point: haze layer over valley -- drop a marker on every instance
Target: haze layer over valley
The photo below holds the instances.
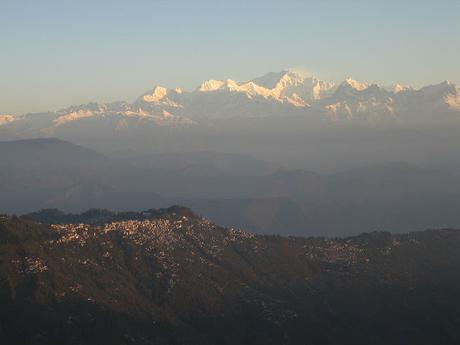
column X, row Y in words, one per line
column 232, row 189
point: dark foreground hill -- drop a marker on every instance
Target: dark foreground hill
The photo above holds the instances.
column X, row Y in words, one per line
column 171, row 277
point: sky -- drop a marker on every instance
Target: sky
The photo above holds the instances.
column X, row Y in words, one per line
column 59, row 53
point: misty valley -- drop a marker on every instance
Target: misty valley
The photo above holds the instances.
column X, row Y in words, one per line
column 233, row 189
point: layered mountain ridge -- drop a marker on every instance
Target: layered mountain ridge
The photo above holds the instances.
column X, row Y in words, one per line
column 231, row 189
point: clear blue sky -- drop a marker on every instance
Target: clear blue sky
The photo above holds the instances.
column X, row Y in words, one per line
column 58, row 53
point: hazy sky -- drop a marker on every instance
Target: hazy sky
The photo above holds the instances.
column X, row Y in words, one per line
column 58, row 53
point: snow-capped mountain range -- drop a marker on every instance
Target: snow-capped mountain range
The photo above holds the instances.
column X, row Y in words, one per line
column 280, row 94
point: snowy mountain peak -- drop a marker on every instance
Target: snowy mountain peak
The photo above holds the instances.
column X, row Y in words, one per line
column 451, row 95
column 441, row 89
column 396, row 88
column 355, row 84
column 277, row 80
column 291, row 78
column 160, row 96
column 4, row 119
column 210, row 85
column 215, row 85
column 294, row 87
column 156, row 95
column 269, row 80
column 93, row 107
